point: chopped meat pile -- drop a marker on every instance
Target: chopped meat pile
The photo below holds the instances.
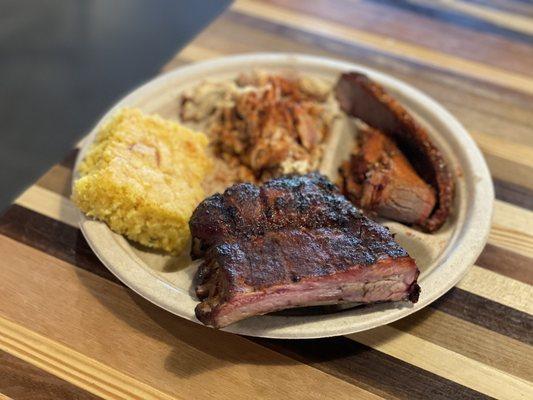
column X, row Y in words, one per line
column 362, row 98
column 378, row 178
column 263, row 125
column 293, row 242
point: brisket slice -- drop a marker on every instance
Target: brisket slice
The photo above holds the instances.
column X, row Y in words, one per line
column 379, row 179
column 365, row 99
column 293, row 242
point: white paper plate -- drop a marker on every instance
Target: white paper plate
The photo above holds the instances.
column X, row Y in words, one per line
column 443, row 258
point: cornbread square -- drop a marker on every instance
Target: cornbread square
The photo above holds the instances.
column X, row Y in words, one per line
column 142, row 176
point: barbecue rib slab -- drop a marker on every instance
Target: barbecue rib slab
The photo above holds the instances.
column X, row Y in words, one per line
column 379, row 178
column 365, row 99
column 293, row 242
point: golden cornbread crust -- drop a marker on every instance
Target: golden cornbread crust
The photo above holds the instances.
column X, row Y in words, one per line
column 142, row 176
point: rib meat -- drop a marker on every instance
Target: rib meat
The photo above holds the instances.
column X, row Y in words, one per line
column 379, row 178
column 362, row 98
column 293, row 242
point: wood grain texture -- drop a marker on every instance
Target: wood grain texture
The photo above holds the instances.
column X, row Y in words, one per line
column 59, row 239
column 93, row 317
column 512, row 228
column 52, row 237
column 514, row 194
column 514, row 23
column 519, row 7
column 478, row 111
column 506, row 263
column 390, row 19
column 235, row 348
column 362, row 366
column 71, row 366
column 461, row 336
column 497, row 317
column 459, row 368
column 73, row 326
column 306, row 22
column 482, row 106
column 22, row 380
column 511, row 232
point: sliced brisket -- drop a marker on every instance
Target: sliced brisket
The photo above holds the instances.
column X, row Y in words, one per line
column 365, row 99
column 378, row 178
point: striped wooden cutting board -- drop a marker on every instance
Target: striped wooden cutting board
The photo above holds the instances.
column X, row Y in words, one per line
column 69, row 329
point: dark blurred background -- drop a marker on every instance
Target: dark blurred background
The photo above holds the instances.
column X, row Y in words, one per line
column 64, row 62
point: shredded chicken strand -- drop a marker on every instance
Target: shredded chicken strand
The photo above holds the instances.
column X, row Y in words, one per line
column 263, row 125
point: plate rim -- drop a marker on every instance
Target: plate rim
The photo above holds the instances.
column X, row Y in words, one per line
column 479, row 213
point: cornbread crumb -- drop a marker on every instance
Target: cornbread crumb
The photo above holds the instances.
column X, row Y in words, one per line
column 142, row 176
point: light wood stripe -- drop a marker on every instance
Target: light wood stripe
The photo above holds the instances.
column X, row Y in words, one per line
column 71, row 366
column 22, row 380
column 456, row 367
column 4, row 397
column 113, row 326
column 362, row 365
column 444, row 31
column 433, row 371
column 499, row 288
column 477, row 335
column 377, row 363
column 49, row 203
column 508, row 161
column 473, row 341
column 59, row 240
column 500, row 18
column 511, row 293
column 512, row 228
column 420, row 54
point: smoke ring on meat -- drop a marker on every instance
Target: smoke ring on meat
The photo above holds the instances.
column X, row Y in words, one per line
column 293, row 242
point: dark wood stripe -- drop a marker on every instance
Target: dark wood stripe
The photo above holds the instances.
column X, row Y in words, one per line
column 457, row 18
column 52, row 237
column 67, row 243
column 487, row 313
column 520, row 7
column 513, row 193
column 370, row 369
column 494, row 258
column 507, row 263
column 21, row 380
column 348, row 360
column 409, row 27
column 372, row 57
column 370, row 363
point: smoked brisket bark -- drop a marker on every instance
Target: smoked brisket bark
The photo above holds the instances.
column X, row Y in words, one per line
column 293, row 242
column 378, row 178
column 365, row 99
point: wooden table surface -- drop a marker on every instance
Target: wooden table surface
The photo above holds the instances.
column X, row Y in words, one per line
column 69, row 329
